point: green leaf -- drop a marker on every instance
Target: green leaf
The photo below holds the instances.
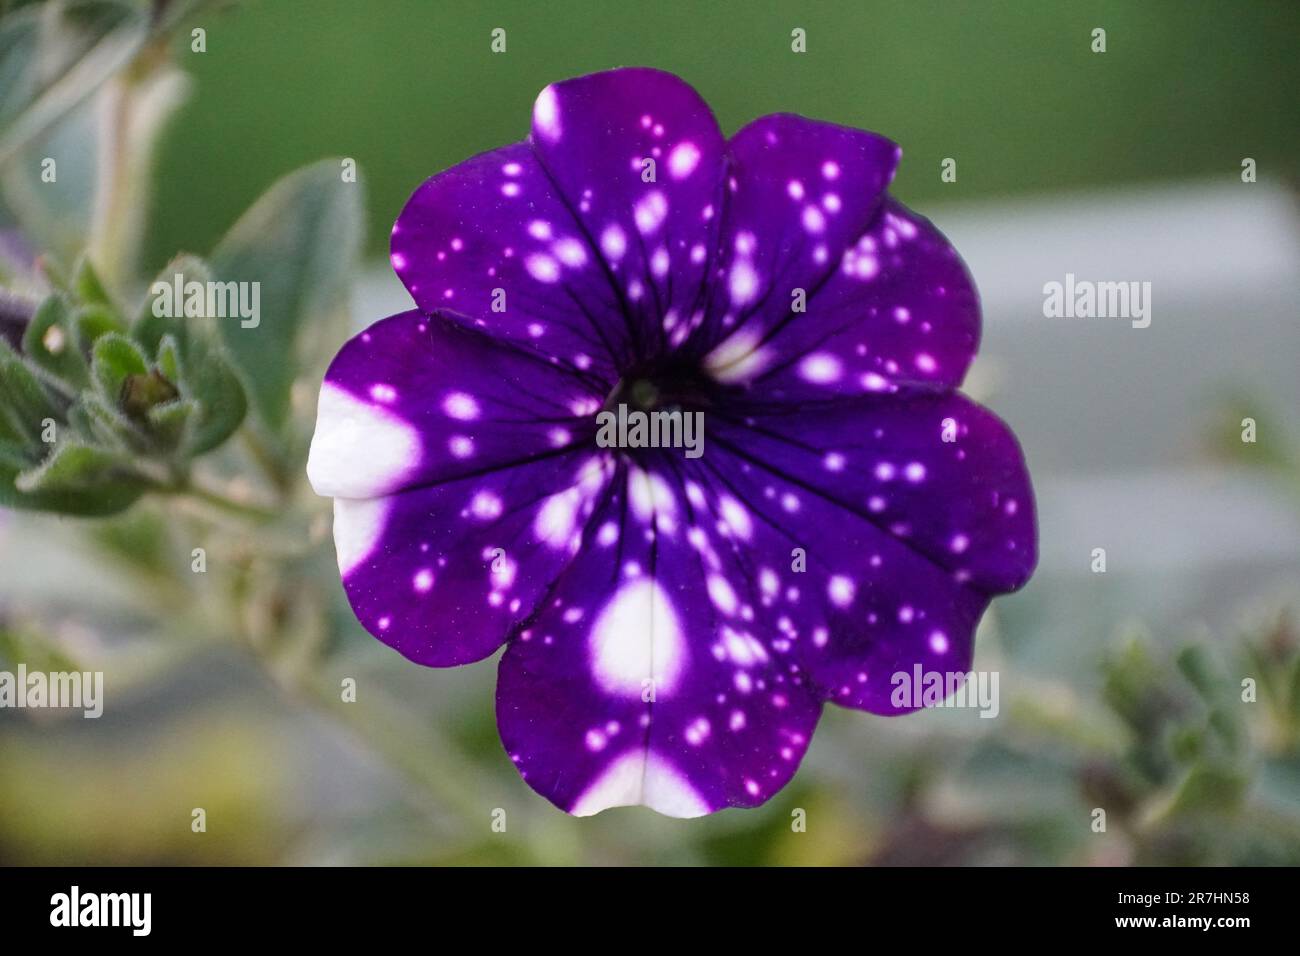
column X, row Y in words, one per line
column 50, row 342
column 1195, row 663
column 1209, row 788
column 76, row 479
column 71, row 466
column 222, row 404
column 169, row 358
column 115, row 359
column 300, row 242
column 16, row 455
column 168, row 421
column 160, row 314
column 101, row 423
column 92, row 323
column 189, row 353
column 9, row 434
column 54, row 56
column 87, row 285
column 24, row 400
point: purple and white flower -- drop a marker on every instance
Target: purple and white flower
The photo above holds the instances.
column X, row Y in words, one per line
column 672, row 625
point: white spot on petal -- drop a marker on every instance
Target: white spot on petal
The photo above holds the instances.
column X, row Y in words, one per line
column 486, row 506
column 546, row 114
column 721, row 594
column 571, row 252
column 737, row 359
column 736, row 516
column 641, row 778
column 841, row 590
column 613, row 242
column 557, row 518
column 636, row 638
column 743, row 283
column 683, row 160
column 821, row 368
column 358, row 526
column 542, row 267
column 650, row 212
column 359, row 450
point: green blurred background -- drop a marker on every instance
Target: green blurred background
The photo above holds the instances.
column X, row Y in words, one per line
column 1010, row 89
column 1119, row 690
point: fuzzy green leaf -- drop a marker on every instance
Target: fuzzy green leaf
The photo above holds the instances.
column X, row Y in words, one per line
column 101, row 423
column 88, row 287
column 222, row 404
column 161, row 314
column 76, row 479
column 50, row 342
column 300, row 242
column 93, row 322
column 168, row 421
column 115, row 359
column 54, row 56
column 25, row 401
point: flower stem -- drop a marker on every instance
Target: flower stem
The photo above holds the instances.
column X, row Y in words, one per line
column 187, row 489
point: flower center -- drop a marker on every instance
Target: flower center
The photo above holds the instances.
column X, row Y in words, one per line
column 660, row 407
column 666, row 388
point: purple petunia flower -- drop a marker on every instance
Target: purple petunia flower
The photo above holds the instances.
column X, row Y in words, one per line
column 673, row 624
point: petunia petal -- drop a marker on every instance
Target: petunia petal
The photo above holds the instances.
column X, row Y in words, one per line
column 900, row 310
column 849, row 565
column 936, row 472
column 459, row 481
column 654, row 225
column 800, row 193
column 443, row 572
column 634, row 684
column 827, row 286
column 418, row 399
column 490, row 242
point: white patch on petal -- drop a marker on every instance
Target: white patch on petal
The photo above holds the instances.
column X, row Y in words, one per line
column 486, row 506
column 736, row 516
column 460, row 406
column 650, row 212
column 546, row 114
column 841, row 590
column 636, row 638
column 558, row 518
column 542, row 268
column 638, row 778
column 721, row 594
column 571, row 252
column 358, row 525
column 359, row 450
column 821, row 368
column 743, row 283
column 648, row 493
column 743, row 649
column 737, row 359
column 613, row 243
column 683, row 160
